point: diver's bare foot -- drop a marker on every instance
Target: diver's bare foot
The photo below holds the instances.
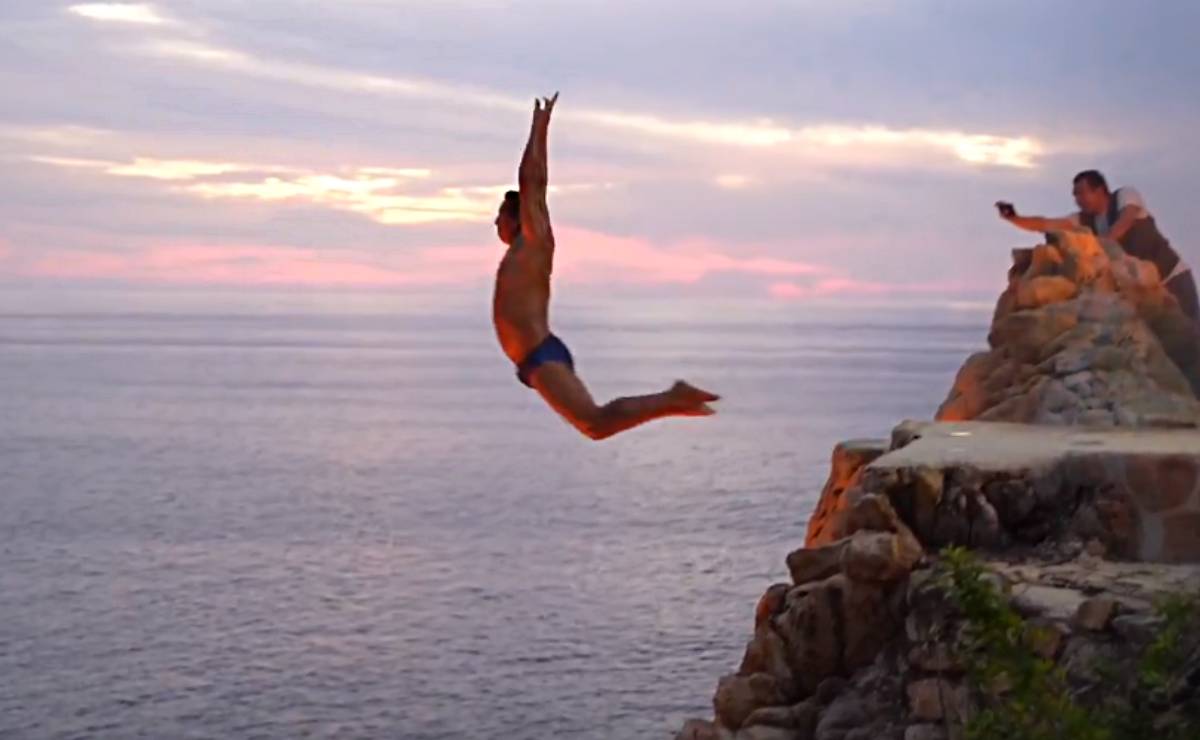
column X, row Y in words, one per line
column 700, row 409
column 692, row 401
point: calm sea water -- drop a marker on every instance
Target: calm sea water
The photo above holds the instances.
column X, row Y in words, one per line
column 355, row 523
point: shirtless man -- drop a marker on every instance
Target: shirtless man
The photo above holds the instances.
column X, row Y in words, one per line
column 521, row 306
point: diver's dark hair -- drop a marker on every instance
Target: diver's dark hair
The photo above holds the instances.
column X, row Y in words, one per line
column 512, row 205
column 1093, row 178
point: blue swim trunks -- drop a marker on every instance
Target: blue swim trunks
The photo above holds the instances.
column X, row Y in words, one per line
column 551, row 349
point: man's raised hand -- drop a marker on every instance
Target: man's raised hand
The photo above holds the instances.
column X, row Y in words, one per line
column 542, row 107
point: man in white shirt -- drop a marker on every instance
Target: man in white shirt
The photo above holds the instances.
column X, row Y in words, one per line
column 1121, row 216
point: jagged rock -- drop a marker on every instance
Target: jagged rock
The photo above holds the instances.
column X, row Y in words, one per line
column 1073, row 308
column 1136, row 585
column 804, row 718
column 770, row 604
column 934, row 657
column 874, row 513
column 1059, row 604
column 767, row 653
column 927, row 485
column 810, row 564
column 767, row 732
column 1013, row 499
column 738, row 696
column 846, row 714
column 871, row 624
column 870, row 512
column 984, row 530
column 849, row 458
column 1073, row 437
column 697, row 729
column 928, row 609
column 1094, row 614
column 1085, row 660
column 770, row 716
column 933, row 699
column 813, row 627
column 1136, row 628
column 800, row 718
column 873, row 731
column 986, row 484
column 1045, row 637
column 876, row 692
column 879, row 556
column 830, row 689
column 925, row 732
column 832, row 627
column 1045, row 289
column 904, row 433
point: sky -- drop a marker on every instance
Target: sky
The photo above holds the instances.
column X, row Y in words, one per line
column 787, row 151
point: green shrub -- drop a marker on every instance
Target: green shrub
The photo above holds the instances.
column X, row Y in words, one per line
column 1027, row 697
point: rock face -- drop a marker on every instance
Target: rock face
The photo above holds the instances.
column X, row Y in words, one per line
column 1133, row 494
column 1068, row 453
column 1083, row 336
column 849, row 458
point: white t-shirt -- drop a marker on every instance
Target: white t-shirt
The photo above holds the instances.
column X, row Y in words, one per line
column 1125, row 197
column 1129, row 197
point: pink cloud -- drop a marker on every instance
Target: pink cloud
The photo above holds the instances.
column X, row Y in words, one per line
column 588, row 256
column 833, row 287
column 242, row 265
column 582, row 257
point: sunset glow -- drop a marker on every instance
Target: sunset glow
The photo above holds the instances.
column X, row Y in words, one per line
column 119, row 13
column 201, row 142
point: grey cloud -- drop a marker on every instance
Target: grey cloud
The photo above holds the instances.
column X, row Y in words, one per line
column 1114, row 72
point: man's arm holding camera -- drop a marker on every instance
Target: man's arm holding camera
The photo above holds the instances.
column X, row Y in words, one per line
column 1039, row 224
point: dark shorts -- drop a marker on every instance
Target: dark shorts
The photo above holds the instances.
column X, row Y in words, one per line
column 551, row 349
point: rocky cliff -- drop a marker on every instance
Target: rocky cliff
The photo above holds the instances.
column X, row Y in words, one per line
column 1083, row 335
column 1067, row 456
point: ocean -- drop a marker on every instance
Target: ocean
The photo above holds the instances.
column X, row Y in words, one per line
column 346, row 519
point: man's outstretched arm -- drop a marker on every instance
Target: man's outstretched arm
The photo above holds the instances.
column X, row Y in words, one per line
column 1039, row 223
column 534, row 178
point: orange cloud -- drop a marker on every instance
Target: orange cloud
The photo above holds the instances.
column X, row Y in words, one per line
column 382, row 194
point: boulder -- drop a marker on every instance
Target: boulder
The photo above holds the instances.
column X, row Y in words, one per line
column 932, row 699
column 879, row 556
column 846, row 714
column 810, row 564
column 697, row 729
column 1084, row 334
column 739, row 696
column 767, row 732
column 834, row 626
column 849, row 458
column 1095, row 614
